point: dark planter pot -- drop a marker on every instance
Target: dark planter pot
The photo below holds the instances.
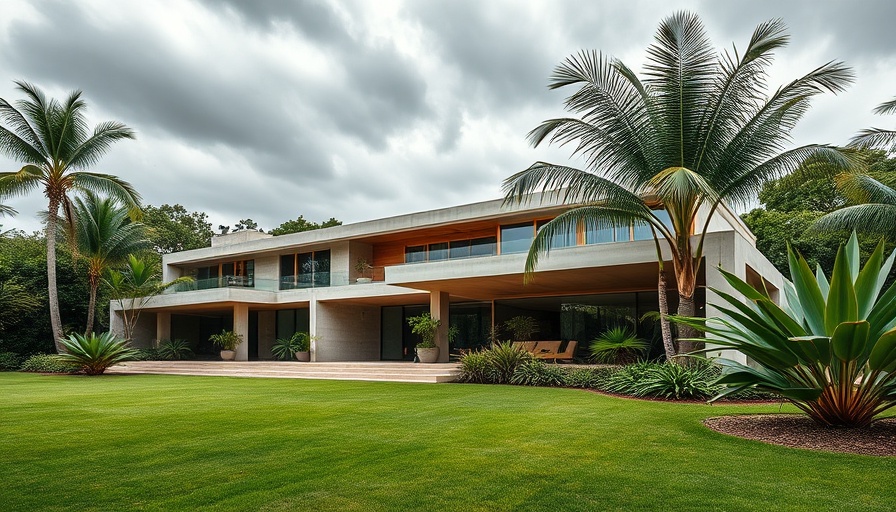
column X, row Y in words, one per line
column 303, row 357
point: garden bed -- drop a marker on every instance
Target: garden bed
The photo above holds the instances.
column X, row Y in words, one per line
column 799, row 431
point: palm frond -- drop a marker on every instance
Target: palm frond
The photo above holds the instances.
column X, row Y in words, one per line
column 874, row 138
column 861, row 188
column 109, row 185
column 875, row 219
column 887, row 107
column 20, row 183
column 571, row 185
column 88, row 153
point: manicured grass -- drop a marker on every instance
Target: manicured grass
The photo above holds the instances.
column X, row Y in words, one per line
column 183, row 443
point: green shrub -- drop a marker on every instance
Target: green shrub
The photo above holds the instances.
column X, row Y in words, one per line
column 831, row 351
column 147, row 354
column 537, row 373
column 426, row 327
column 522, row 328
column 175, row 350
column 285, row 349
column 227, row 340
column 94, row 353
column 47, row 363
column 504, row 358
column 475, row 367
column 618, row 346
column 666, row 380
column 583, row 377
column 10, row 361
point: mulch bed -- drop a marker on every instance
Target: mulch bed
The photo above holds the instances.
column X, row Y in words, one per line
column 799, row 431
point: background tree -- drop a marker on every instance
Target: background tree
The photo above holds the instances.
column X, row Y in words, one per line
column 171, row 228
column 300, row 224
column 246, row 224
column 874, row 202
column 54, row 143
column 790, row 207
column 696, row 131
column 23, row 261
column 16, row 303
column 104, row 237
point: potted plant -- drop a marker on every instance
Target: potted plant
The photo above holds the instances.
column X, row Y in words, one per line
column 302, row 346
column 522, row 328
column 363, row 268
column 228, row 341
column 426, row 327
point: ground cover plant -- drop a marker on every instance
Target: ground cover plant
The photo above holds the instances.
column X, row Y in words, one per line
column 176, row 443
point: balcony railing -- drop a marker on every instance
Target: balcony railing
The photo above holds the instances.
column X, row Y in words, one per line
column 285, row 283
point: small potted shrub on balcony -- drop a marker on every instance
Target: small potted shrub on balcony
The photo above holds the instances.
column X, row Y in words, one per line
column 364, row 271
column 426, row 327
column 228, row 341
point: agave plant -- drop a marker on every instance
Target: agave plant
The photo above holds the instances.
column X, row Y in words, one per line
column 96, row 352
column 175, row 350
column 831, row 350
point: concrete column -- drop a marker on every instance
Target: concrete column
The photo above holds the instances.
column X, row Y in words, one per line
column 312, row 327
column 438, row 308
column 116, row 323
column 163, row 326
column 241, row 327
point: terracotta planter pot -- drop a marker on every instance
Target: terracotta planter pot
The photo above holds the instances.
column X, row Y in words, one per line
column 228, row 355
column 428, row 355
column 303, row 357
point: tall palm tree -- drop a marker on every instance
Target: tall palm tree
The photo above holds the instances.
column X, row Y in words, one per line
column 697, row 131
column 104, row 236
column 52, row 139
column 876, row 211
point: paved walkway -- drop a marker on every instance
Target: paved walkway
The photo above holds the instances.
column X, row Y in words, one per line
column 372, row 371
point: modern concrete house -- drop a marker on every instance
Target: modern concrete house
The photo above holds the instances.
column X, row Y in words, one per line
column 463, row 264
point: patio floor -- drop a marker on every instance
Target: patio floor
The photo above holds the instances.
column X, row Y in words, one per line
column 367, row 370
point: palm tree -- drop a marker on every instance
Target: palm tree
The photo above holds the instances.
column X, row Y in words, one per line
column 104, row 236
column 53, row 141
column 133, row 287
column 697, row 131
column 876, row 211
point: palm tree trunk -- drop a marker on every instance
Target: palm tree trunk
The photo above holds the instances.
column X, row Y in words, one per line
column 52, row 290
column 91, row 308
column 664, row 316
column 687, row 307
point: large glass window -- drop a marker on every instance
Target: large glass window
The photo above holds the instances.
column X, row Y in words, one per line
column 305, row 270
column 487, row 246
column 438, row 251
column 559, row 239
column 643, row 232
column 415, row 254
column 517, row 238
column 459, row 249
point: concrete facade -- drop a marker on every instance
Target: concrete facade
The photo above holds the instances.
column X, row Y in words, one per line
column 346, row 317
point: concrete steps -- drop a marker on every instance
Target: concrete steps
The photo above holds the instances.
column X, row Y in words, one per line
column 369, row 371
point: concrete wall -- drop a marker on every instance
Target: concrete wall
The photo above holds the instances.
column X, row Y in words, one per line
column 345, row 332
column 339, row 263
column 145, row 331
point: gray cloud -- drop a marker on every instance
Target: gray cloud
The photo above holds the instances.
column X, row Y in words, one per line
column 274, row 108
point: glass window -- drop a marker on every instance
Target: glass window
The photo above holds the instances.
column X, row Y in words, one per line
column 322, row 268
column 595, row 235
column 438, row 251
column 415, row 254
column 484, row 246
column 516, row 238
column 560, row 239
column 459, row 249
column 643, row 232
column 623, row 234
column 663, row 215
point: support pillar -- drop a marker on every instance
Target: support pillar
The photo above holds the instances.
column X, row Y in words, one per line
column 438, row 308
column 312, row 327
column 163, row 326
column 241, row 327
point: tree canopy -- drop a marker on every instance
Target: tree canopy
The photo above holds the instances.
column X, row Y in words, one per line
column 301, row 224
column 172, row 228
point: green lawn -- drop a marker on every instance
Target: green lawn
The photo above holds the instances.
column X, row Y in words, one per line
column 182, row 443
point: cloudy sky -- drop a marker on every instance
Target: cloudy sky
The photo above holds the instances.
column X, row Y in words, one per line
column 364, row 109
